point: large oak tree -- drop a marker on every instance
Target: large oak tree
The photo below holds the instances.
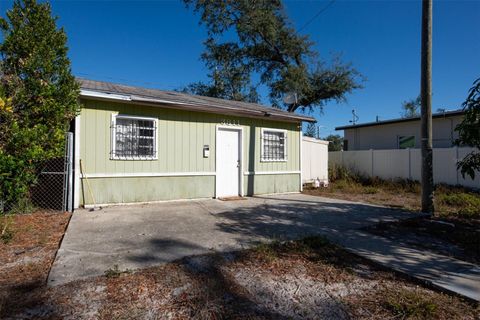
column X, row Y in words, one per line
column 263, row 45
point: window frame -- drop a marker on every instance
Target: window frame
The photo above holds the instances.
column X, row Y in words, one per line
column 113, row 140
column 262, row 155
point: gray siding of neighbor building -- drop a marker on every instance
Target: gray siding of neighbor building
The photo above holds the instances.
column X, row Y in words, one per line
column 386, row 136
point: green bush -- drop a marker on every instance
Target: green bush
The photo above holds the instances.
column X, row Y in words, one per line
column 15, row 180
column 336, row 173
column 38, row 97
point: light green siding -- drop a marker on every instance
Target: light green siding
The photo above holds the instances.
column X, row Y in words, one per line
column 144, row 189
column 271, row 183
column 181, row 137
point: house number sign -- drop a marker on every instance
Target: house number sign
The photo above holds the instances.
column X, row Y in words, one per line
column 230, row 122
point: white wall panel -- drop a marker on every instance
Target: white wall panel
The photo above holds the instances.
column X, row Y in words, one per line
column 406, row 164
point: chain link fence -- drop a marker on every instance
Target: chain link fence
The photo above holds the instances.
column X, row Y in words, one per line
column 53, row 189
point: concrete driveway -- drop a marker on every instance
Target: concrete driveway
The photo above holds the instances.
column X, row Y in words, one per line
column 145, row 235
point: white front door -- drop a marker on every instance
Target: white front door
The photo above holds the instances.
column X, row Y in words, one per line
column 228, row 162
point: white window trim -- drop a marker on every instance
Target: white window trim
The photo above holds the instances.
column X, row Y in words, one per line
column 262, row 158
column 113, row 135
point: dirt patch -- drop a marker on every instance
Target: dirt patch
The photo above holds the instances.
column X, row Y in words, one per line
column 307, row 279
column 27, row 254
column 405, row 198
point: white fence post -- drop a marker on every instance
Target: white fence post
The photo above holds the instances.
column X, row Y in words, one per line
column 409, row 164
column 371, row 159
column 456, row 161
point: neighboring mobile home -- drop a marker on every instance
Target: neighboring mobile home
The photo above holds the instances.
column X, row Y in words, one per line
column 140, row 145
column 401, row 133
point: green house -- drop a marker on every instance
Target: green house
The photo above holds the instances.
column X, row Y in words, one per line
column 142, row 145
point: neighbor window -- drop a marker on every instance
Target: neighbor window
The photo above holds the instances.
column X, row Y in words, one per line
column 134, row 138
column 405, row 142
column 274, row 145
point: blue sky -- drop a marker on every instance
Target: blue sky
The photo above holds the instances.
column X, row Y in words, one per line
column 158, row 44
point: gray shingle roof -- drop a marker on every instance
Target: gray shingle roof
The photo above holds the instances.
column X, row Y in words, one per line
column 178, row 100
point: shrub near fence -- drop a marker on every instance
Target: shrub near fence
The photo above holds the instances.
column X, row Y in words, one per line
column 406, row 164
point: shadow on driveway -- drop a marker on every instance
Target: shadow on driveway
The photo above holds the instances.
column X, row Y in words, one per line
column 145, row 235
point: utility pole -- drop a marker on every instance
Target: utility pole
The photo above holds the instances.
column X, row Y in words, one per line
column 426, row 101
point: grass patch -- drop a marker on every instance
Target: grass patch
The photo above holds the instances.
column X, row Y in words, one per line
column 267, row 251
column 450, row 202
column 307, row 246
column 6, row 229
column 408, row 304
column 115, row 272
column 466, row 205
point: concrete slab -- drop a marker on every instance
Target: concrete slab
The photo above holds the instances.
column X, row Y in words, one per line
column 140, row 236
column 438, row 270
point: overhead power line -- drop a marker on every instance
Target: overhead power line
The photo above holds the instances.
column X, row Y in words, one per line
column 317, row 15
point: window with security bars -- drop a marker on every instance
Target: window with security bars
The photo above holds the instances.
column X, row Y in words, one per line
column 274, row 145
column 134, row 138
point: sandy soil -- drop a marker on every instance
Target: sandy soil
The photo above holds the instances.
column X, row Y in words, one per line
column 308, row 279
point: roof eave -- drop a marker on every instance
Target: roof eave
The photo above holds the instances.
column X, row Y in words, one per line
column 394, row 121
column 268, row 114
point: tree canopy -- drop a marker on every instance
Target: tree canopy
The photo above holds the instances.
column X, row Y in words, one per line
column 469, row 131
column 38, row 95
column 266, row 46
column 311, row 130
column 336, row 142
column 411, row 108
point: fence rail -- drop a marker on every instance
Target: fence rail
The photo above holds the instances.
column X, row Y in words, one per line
column 406, row 164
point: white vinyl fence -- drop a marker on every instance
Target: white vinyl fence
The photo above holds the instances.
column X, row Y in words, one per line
column 406, row 164
column 314, row 160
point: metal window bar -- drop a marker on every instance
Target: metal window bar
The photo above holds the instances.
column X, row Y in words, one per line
column 134, row 138
column 274, row 146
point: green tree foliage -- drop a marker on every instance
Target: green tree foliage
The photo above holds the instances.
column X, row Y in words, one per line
column 411, row 108
column 230, row 78
column 38, row 95
column 311, row 130
column 267, row 47
column 469, row 131
column 336, row 142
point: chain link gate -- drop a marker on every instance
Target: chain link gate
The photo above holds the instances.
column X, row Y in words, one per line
column 54, row 187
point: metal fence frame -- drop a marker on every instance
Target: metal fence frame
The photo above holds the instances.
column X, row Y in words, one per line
column 47, row 192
